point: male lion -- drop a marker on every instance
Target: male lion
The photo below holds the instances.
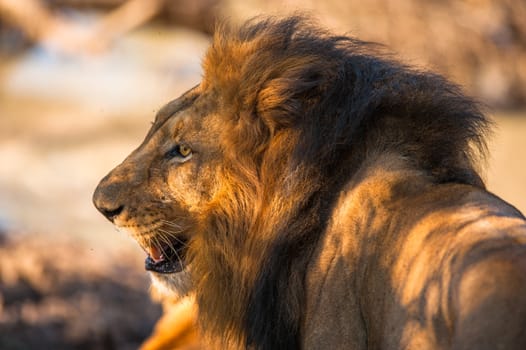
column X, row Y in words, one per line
column 315, row 194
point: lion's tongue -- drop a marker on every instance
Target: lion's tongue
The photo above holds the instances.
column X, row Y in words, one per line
column 155, row 253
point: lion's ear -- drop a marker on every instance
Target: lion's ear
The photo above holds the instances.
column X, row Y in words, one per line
column 286, row 98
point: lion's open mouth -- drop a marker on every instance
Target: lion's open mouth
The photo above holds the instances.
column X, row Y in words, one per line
column 166, row 258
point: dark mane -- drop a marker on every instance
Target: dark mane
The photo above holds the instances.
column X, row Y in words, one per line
column 291, row 73
column 305, row 109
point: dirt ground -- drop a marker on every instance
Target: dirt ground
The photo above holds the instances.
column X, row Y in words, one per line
column 68, row 280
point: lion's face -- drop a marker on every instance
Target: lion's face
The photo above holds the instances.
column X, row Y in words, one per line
column 162, row 188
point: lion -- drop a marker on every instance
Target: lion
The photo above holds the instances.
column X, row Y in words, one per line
column 313, row 192
column 176, row 329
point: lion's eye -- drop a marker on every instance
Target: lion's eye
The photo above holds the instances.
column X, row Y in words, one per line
column 181, row 151
column 184, row 150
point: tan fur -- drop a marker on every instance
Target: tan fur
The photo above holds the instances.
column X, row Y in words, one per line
column 177, row 328
column 332, row 201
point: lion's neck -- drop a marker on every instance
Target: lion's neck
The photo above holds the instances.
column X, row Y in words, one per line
column 360, row 214
column 365, row 205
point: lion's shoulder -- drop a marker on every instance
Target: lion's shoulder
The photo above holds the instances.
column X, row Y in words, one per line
column 400, row 247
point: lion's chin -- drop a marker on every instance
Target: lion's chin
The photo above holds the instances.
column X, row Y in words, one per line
column 172, row 285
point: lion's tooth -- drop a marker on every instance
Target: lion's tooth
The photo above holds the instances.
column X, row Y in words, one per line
column 155, row 253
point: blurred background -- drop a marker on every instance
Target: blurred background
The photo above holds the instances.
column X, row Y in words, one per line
column 80, row 82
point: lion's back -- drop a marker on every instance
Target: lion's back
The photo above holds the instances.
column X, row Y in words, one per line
column 447, row 265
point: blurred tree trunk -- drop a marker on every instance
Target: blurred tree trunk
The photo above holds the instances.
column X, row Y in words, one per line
column 41, row 23
column 196, row 14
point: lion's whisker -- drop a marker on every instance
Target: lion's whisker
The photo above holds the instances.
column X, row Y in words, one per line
column 171, row 223
column 170, row 235
column 173, row 229
column 165, row 239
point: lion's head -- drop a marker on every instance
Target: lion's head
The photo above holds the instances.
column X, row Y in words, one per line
column 236, row 180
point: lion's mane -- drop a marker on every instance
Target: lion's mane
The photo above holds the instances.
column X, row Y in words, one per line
column 303, row 110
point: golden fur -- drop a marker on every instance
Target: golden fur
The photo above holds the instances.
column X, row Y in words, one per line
column 176, row 329
column 331, row 201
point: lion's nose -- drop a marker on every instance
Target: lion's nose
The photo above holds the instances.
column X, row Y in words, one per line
column 106, row 200
column 111, row 214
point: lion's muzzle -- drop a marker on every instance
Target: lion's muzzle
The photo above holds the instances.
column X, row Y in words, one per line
column 162, row 239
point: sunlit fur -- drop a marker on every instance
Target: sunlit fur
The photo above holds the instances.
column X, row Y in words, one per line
column 333, row 199
column 176, row 329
